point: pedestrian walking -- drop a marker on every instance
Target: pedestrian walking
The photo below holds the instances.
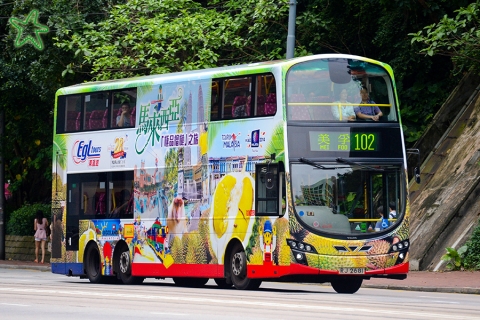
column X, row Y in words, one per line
column 40, row 226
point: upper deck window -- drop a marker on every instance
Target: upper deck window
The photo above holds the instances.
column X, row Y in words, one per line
column 243, row 97
column 339, row 90
column 96, row 111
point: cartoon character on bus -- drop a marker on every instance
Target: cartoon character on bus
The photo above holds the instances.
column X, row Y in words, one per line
column 158, row 103
column 268, row 241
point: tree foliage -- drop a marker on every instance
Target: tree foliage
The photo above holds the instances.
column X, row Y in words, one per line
column 458, row 37
column 149, row 36
column 28, row 81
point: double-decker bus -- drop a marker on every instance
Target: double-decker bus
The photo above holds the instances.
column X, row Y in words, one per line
column 240, row 174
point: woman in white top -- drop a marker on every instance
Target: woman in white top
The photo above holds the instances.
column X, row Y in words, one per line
column 342, row 109
column 40, row 226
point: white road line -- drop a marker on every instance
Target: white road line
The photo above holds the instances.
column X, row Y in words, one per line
column 285, row 305
column 170, row 314
column 15, row 304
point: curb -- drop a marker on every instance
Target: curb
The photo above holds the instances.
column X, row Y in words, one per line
column 38, row 268
column 465, row 290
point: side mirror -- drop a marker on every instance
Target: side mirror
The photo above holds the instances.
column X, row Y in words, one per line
column 416, row 173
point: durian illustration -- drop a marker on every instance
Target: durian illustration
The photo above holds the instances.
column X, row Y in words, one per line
column 204, row 232
column 194, row 249
column 282, row 251
column 176, row 250
column 378, row 257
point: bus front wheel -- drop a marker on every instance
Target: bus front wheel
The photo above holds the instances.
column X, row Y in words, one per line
column 347, row 284
column 124, row 268
column 238, row 265
column 93, row 267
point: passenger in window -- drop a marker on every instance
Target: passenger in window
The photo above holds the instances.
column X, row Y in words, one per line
column 341, row 110
column 125, row 119
column 367, row 112
column 381, row 224
column 392, row 207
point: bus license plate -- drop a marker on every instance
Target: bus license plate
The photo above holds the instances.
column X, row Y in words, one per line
column 351, row 270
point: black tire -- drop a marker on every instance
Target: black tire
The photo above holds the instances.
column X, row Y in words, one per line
column 238, row 270
column 347, row 284
column 93, row 265
column 124, row 268
column 222, row 283
column 190, row 282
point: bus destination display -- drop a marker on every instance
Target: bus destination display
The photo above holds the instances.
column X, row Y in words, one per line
column 343, row 141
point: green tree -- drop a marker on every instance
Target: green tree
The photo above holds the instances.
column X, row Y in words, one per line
column 29, row 79
column 149, row 36
column 458, row 38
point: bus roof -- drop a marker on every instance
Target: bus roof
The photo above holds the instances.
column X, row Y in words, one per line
column 219, row 72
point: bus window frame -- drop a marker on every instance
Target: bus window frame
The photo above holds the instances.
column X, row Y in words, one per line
column 253, row 90
column 61, row 125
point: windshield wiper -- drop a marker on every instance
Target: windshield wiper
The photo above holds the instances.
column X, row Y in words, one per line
column 341, row 160
column 313, row 164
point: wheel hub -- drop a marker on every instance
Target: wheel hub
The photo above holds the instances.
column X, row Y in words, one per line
column 124, row 261
column 237, row 264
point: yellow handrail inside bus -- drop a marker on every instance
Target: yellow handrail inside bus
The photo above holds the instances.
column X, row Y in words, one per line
column 113, row 200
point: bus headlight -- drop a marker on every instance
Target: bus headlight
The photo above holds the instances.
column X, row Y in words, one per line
column 400, row 246
column 300, row 246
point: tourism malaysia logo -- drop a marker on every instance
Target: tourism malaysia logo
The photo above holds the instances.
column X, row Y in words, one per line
column 230, row 141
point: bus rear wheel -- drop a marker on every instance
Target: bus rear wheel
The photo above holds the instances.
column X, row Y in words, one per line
column 347, row 284
column 93, row 267
column 238, row 271
column 124, row 268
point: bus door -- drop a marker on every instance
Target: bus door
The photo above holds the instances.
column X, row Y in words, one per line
column 270, row 190
column 73, row 212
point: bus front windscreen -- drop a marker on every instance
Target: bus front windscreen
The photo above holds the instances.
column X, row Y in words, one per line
column 348, row 198
column 340, row 89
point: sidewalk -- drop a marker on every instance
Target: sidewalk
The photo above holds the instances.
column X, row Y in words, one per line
column 15, row 264
column 446, row 282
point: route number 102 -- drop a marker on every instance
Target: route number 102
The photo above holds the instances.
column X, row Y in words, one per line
column 364, row 141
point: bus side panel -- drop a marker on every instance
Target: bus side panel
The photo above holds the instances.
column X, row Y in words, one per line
column 70, row 269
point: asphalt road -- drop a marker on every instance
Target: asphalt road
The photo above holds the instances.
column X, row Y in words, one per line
column 28, row 294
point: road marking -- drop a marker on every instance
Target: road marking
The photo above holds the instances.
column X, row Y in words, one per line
column 15, row 304
column 237, row 303
column 170, row 314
